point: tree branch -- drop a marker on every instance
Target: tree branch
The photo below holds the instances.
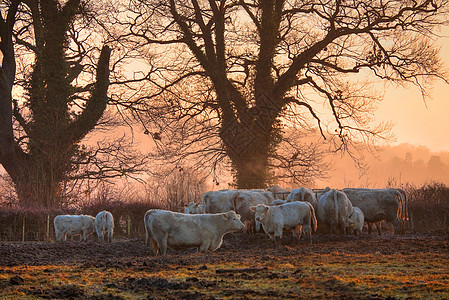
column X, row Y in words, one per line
column 97, row 102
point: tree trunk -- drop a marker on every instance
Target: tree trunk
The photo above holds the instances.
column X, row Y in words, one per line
column 251, row 169
column 248, row 143
column 36, row 182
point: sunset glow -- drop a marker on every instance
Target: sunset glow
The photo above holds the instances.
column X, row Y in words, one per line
column 418, row 121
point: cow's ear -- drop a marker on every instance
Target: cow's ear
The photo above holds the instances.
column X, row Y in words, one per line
column 225, row 216
column 266, row 208
column 253, row 208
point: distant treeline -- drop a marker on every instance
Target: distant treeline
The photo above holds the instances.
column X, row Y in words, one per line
column 428, row 207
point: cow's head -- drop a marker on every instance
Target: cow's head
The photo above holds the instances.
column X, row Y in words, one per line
column 233, row 219
column 260, row 212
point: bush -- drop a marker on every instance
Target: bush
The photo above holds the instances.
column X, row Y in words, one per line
column 428, row 207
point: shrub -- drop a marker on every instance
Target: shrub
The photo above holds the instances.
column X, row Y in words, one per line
column 428, row 207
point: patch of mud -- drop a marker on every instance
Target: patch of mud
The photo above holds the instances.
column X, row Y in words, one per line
column 59, row 292
column 258, row 247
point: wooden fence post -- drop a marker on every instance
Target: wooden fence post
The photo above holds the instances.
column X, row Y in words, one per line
column 23, row 230
column 48, row 227
column 128, row 223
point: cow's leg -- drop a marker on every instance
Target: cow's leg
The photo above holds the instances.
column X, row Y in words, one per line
column 379, row 227
column 250, row 227
column 100, row 235
column 342, row 227
column 273, row 237
column 205, row 246
column 59, row 236
column 278, row 232
column 277, row 243
column 297, row 233
column 333, row 227
column 397, row 226
column 162, row 245
column 308, row 233
column 257, row 226
column 154, row 246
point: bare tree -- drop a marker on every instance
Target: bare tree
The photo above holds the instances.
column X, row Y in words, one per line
column 231, row 74
column 53, row 92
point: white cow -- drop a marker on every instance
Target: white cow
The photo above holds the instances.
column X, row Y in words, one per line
column 334, row 209
column 193, row 208
column 219, row 201
column 320, row 192
column 378, row 205
column 277, row 202
column 243, row 202
column 180, row 231
column 303, row 194
column 356, row 221
column 104, row 223
column 73, row 224
column 299, row 216
column 279, row 192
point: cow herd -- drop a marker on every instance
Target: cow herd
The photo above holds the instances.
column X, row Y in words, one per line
column 304, row 211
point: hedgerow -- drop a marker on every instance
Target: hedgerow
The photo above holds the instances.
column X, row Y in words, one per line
column 428, row 207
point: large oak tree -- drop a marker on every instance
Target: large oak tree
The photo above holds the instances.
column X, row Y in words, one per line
column 241, row 71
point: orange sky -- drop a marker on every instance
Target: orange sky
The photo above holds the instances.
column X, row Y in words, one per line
column 420, row 122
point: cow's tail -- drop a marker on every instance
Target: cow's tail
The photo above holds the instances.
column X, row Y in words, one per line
column 106, row 217
column 404, row 194
column 335, row 193
column 313, row 222
column 203, row 203
column 400, row 213
column 404, row 206
column 145, row 222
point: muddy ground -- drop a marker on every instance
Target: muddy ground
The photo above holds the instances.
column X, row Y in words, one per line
column 262, row 271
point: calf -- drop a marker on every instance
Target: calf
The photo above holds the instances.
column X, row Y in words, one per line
column 299, row 216
column 356, row 221
column 180, row 231
column 104, row 222
column 73, row 224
